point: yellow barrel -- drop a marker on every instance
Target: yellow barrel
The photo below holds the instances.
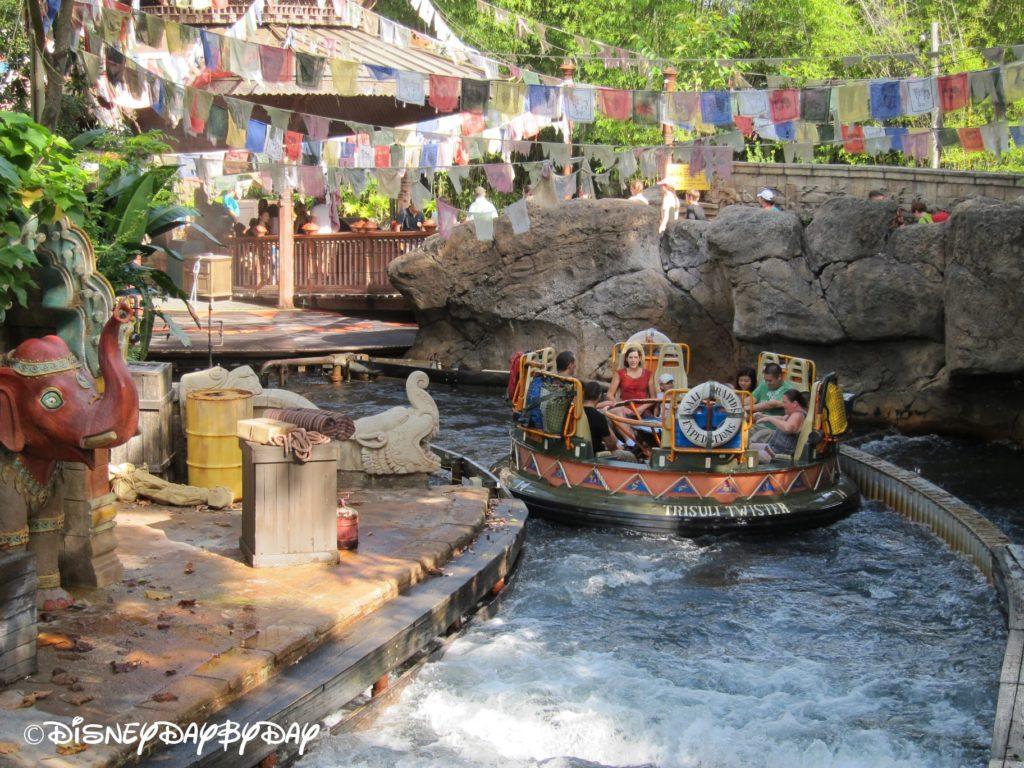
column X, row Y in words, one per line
column 214, row 455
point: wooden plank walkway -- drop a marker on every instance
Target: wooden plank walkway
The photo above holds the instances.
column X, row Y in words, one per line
column 255, row 331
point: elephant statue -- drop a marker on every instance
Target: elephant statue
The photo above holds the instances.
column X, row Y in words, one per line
column 397, row 441
column 51, row 411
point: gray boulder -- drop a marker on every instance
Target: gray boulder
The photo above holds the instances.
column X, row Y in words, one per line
column 984, row 300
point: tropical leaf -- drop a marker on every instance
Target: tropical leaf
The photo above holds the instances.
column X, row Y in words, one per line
column 87, row 139
column 132, row 210
column 174, row 328
column 167, row 218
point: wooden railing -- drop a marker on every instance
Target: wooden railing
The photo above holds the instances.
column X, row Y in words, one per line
column 342, row 263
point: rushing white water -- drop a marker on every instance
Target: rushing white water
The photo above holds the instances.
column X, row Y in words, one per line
column 863, row 644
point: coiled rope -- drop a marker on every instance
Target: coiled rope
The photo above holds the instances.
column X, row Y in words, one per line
column 335, row 425
column 299, row 442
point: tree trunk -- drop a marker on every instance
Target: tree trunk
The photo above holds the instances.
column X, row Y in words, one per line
column 56, row 64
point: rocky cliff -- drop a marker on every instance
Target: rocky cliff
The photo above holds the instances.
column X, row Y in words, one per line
column 927, row 322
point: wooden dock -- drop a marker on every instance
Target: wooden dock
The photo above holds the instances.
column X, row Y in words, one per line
column 244, row 330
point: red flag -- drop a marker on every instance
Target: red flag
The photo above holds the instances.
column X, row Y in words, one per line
column 382, row 156
column 971, row 139
column 293, row 145
column 615, row 103
column 745, row 124
column 853, row 139
column 784, row 105
column 444, row 92
column 953, row 92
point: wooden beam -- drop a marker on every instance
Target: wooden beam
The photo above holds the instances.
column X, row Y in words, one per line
column 286, row 252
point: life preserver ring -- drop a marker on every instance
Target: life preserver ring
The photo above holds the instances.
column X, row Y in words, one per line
column 727, row 404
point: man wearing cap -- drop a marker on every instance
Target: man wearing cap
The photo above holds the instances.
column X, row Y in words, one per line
column 766, row 199
column 482, row 207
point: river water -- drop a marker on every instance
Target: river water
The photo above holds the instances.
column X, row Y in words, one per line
column 864, row 644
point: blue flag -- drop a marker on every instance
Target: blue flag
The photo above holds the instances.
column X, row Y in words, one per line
column 716, row 107
column 896, row 134
column 886, row 101
column 255, row 136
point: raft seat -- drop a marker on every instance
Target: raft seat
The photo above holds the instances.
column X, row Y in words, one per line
column 813, row 416
column 671, row 359
column 798, row 371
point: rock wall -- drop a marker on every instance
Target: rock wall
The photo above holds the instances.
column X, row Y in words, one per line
column 925, row 321
column 804, row 187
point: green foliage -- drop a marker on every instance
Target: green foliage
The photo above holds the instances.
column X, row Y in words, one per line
column 695, row 34
column 14, row 55
column 40, row 181
column 370, row 205
column 132, row 207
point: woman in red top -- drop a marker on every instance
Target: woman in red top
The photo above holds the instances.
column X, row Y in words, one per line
column 633, row 382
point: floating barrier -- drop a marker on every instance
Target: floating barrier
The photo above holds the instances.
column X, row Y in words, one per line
column 988, row 548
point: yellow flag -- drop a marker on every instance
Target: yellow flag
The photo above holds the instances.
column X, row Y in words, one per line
column 343, row 73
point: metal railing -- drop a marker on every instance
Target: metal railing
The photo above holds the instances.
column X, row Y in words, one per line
column 340, row 263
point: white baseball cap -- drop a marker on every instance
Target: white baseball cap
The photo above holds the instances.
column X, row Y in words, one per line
column 766, row 194
column 666, row 378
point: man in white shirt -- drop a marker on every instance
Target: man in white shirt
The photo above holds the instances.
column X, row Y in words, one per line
column 482, row 207
column 636, row 191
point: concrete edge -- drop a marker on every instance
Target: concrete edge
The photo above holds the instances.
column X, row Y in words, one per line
column 968, row 533
column 338, row 671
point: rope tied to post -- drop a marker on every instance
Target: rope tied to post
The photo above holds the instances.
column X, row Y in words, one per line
column 299, row 443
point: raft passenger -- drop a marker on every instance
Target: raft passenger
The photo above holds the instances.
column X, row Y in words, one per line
column 565, row 364
column 745, row 380
column 631, row 382
column 768, row 400
column 786, row 427
column 600, row 433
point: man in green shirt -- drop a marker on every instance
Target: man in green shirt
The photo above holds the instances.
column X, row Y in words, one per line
column 768, row 399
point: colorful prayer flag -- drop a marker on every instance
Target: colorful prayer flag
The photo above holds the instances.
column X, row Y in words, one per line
column 952, row 92
column 784, row 104
column 716, row 107
column 885, row 99
column 444, row 92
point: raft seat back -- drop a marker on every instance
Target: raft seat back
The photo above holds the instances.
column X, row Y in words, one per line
column 552, row 405
column 545, row 358
column 652, row 352
column 798, row 371
column 538, row 360
column 672, row 359
column 814, row 402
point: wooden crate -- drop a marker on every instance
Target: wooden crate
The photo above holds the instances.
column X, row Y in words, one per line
column 154, row 443
column 214, row 278
column 289, row 509
column 18, row 622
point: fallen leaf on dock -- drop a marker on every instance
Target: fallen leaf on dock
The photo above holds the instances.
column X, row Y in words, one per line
column 164, row 696
column 71, row 749
column 9, row 748
column 63, row 678
column 57, row 640
column 187, row 603
column 120, row 667
column 76, row 699
column 31, row 698
column 189, row 569
column 157, row 594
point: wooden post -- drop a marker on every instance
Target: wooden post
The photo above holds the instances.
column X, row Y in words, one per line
column 286, row 252
column 936, row 113
column 568, row 70
column 667, row 130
